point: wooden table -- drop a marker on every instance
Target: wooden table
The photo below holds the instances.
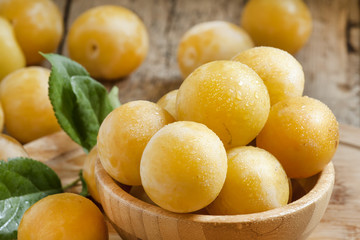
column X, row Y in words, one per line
column 331, row 61
column 331, row 58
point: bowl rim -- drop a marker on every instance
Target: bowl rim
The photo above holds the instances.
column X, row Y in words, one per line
column 324, row 183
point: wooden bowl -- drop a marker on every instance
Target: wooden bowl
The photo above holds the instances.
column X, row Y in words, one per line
column 135, row 219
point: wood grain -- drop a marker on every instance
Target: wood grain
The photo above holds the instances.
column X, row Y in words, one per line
column 331, row 66
column 155, row 76
column 65, row 157
column 61, row 5
column 331, row 58
column 341, row 219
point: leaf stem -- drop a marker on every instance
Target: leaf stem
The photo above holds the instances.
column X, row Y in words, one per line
column 72, row 184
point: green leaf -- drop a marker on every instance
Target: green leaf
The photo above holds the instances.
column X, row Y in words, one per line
column 114, row 97
column 23, row 182
column 80, row 102
column 92, row 106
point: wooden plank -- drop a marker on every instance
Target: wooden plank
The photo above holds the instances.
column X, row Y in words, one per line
column 331, row 69
column 342, row 217
column 61, row 5
column 332, row 75
column 66, row 158
column 166, row 22
column 353, row 46
column 151, row 79
column 349, row 135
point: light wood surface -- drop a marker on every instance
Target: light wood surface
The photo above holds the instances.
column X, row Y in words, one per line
column 342, row 217
column 331, row 58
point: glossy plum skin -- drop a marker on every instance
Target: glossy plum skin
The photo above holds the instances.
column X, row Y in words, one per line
column 10, row 148
column 123, row 136
column 109, row 41
column 281, row 72
column 89, row 173
column 38, row 26
column 168, row 102
column 210, row 41
column 1, row 118
column 64, row 216
column 255, row 182
column 27, row 109
column 302, row 133
column 183, row 167
column 284, row 24
column 228, row 97
column 12, row 57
